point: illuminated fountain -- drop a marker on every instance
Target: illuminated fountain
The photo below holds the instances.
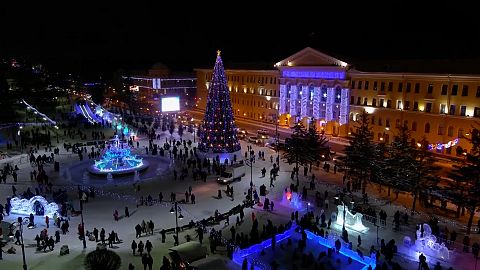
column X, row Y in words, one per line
column 118, row 159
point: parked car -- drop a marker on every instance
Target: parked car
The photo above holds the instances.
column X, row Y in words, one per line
column 253, row 139
column 262, row 132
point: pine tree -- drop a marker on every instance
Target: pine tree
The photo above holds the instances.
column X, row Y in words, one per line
column 102, row 259
column 360, row 154
column 219, row 134
column 317, row 149
column 296, row 148
column 407, row 168
column 467, row 180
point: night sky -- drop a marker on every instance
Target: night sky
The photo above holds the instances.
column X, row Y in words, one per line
column 91, row 39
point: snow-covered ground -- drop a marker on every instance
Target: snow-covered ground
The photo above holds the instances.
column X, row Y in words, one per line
column 98, row 212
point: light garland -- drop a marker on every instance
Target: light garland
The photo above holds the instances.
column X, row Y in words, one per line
column 35, row 111
column 441, row 146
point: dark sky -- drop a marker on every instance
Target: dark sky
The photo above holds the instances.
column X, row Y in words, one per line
column 99, row 38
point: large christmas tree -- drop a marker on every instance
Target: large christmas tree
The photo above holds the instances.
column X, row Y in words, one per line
column 219, row 133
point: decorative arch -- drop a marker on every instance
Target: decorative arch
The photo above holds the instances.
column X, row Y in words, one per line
column 27, row 207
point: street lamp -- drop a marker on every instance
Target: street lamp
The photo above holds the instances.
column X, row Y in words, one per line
column 21, row 221
column 277, row 138
column 83, row 224
column 308, row 204
column 175, row 209
column 249, row 163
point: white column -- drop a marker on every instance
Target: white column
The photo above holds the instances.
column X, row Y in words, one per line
column 293, row 100
column 330, row 104
column 344, row 106
column 316, row 102
column 283, row 99
column 305, row 100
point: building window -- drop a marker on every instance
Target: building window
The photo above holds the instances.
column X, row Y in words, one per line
column 460, row 133
column 399, row 105
column 407, row 105
column 353, row 84
column 443, row 108
column 359, row 100
column 476, row 112
column 417, row 88
column 324, row 93
column 365, row 101
column 427, row 128
column 441, row 129
column 380, row 121
column 478, row 92
column 373, row 119
column 444, row 89
column 352, row 100
column 454, row 89
column 389, row 103
column 381, row 102
column 428, row 107
column 360, row 85
column 400, row 87
column 338, row 94
column 409, row 86
column 452, row 109
column 375, row 84
column 405, row 123
column 397, row 123
column 450, row 131
column 387, row 122
column 374, row 102
column 465, row 91
column 463, row 110
column 415, row 106
column 311, row 92
column 414, row 126
column 430, row 88
column 390, row 86
column 366, row 85
column 382, row 86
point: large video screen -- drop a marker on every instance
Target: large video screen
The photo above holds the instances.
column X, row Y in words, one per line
column 170, row 104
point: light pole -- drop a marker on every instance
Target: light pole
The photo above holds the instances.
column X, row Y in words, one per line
column 277, row 141
column 249, row 163
column 83, row 224
column 21, row 222
column 175, row 209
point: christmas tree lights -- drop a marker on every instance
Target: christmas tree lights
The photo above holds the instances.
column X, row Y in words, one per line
column 219, row 133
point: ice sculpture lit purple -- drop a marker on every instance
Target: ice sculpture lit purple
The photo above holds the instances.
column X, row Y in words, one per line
column 292, row 200
column 427, row 243
column 118, row 159
column 27, row 206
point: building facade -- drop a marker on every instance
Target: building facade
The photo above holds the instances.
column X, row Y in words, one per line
column 312, row 86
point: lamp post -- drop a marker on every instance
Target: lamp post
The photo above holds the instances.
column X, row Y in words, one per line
column 21, row 221
column 175, row 209
column 83, row 224
column 277, row 138
column 249, row 163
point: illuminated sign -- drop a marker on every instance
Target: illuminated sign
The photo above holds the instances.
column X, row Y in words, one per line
column 314, row 74
column 171, row 104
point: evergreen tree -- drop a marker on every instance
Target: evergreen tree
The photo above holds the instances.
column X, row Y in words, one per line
column 102, row 259
column 219, row 134
column 317, row 148
column 407, row 168
column 467, row 180
column 360, row 153
column 296, row 148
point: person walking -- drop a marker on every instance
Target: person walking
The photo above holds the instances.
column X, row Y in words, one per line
column 148, row 246
column 134, row 247
column 140, row 247
column 144, row 261
column 47, row 221
column 127, row 213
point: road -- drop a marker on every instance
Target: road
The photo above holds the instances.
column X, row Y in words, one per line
column 284, row 132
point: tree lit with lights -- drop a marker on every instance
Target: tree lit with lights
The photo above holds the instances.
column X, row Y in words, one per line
column 219, row 134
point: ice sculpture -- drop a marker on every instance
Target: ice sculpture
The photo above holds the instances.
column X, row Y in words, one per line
column 37, row 205
column 352, row 221
column 293, row 200
column 428, row 243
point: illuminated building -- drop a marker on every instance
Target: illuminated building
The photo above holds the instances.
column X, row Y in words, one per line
column 312, row 85
column 148, row 89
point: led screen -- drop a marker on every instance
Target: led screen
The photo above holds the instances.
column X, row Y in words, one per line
column 170, row 104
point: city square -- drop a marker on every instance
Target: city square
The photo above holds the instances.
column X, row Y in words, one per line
column 311, row 163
